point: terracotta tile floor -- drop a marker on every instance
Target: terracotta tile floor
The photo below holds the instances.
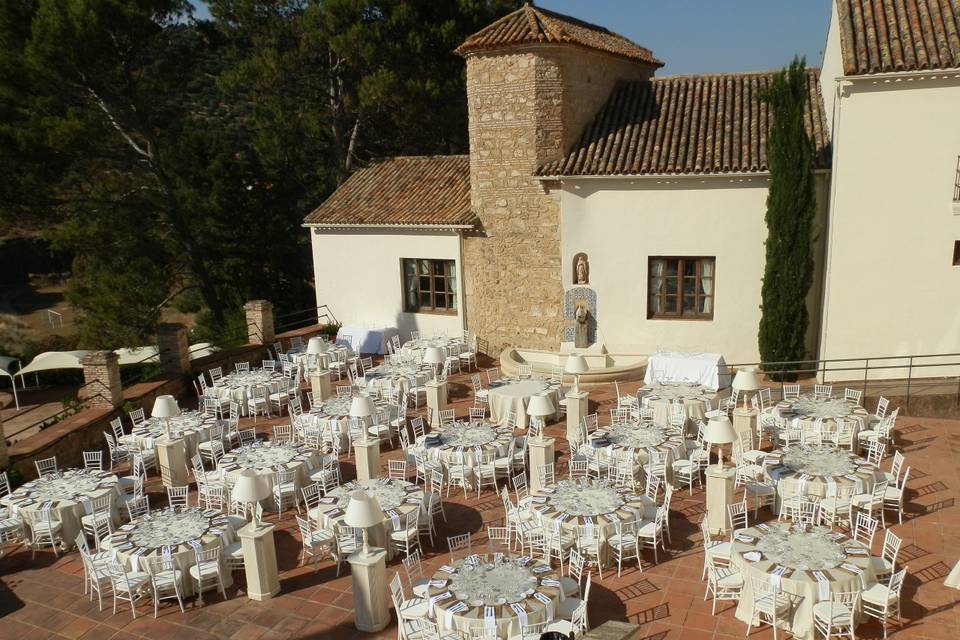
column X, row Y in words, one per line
column 42, row 598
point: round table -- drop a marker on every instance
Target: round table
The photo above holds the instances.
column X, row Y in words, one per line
column 192, row 426
column 808, row 412
column 473, row 592
column 178, row 533
column 585, row 501
column 623, row 440
column 811, row 470
column 413, row 349
column 265, row 457
column 397, row 498
column 660, row 397
column 238, row 386
column 67, row 495
column 335, row 413
column 399, row 374
column 811, row 561
column 513, row 394
column 472, row 439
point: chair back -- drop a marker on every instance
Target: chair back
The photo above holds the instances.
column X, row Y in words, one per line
column 93, row 460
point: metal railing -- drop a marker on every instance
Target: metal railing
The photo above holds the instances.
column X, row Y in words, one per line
column 304, row 318
column 911, row 365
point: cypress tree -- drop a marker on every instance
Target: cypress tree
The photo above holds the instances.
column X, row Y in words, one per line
column 791, row 206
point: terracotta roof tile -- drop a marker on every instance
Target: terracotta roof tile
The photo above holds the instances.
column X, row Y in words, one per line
column 879, row 36
column 402, row 191
column 685, row 125
column 535, row 25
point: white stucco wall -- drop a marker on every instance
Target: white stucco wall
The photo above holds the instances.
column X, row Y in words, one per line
column 831, row 66
column 891, row 288
column 358, row 275
column 620, row 223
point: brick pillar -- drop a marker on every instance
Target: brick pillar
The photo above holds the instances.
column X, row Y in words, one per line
column 101, row 375
column 174, row 350
column 259, row 321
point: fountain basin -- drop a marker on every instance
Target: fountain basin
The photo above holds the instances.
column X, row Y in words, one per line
column 606, row 366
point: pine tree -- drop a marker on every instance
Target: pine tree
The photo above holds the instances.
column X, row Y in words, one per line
column 791, row 206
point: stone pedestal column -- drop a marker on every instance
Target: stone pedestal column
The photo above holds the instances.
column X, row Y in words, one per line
column 174, row 351
column 577, row 406
column 101, row 378
column 745, row 420
column 172, row 459
column 541, row 453
column 436, row 400
column 259, row 561
column 719, row 495
column 367, row 458
column 259, row 322
column 320, row 385
column 371, row 609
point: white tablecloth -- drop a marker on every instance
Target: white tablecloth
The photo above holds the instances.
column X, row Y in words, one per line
column 708, row 369
column 514, row 395
column 368, row 339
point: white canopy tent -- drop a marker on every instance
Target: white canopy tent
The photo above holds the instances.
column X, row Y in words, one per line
column 6, row 366
column 50, row 360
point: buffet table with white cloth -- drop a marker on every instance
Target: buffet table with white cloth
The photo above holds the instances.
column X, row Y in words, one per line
column 693, row 397
column 265, row 457
column 367, row 339
column 396, row 498
column 501, row 593
column 513, row 394
column 809, row 563
column 708, row 369
column 816, row 471
column 192, row 426
column 177, row 533
column 471, row 439
column 584, row 501
column 67, row 496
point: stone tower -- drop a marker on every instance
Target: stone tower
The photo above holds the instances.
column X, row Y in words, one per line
column 535, row 79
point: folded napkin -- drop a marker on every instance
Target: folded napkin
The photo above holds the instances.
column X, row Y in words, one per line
column 550, row 582
column 823, row 585
column 540, row 569
column 857, row 570
column 438, row 584
column 777, row 573
column 447, row 569
column 521, row 613
column 490, row 618
column 547, row 602
column 440, row 597
column 449, row 613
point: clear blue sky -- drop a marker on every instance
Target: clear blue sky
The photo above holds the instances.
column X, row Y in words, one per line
column 705, row 36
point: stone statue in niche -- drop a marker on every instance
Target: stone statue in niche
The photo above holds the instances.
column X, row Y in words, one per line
column 581, row 269
column 581, row 338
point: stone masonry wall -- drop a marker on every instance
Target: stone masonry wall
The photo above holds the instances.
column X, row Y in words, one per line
column 527, row 106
